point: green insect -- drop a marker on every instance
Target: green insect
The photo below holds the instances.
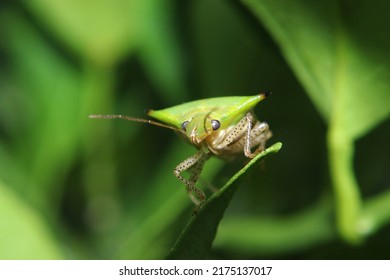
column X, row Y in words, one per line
column 225, row 127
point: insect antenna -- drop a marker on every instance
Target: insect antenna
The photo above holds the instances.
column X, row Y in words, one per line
column 127, row 118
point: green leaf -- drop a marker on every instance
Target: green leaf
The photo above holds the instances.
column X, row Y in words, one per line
column 340, row 59
column 101, row 31
column 196, row 239
column 23, row 232
column 47, row 90
column 344, row 64
column 272, row 235
column 105, row 31
column 162, row 204
column 376, row 212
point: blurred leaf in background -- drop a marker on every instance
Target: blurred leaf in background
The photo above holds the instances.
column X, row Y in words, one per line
column 346, row 73
column 39, row 243
column 80, row 188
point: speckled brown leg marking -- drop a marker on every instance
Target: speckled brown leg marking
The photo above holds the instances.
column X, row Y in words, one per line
column 194, row 165
column 247, row 134
column 256, row 137
column 238, row 130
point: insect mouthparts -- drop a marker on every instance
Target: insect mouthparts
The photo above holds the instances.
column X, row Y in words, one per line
column 267, row 93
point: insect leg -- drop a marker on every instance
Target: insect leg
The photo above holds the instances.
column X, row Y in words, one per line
column 246, row 134
column 236, row 133
column 194, row 165
column 256, row 137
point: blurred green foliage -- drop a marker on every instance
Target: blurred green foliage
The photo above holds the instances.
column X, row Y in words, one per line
column 196, row 240
column 75, row 188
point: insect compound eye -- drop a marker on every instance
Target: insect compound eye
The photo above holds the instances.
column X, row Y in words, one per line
column 215, row 124
column 184, row 125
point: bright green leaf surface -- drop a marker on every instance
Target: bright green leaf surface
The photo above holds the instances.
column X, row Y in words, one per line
column 23, row 232
column 196, row 239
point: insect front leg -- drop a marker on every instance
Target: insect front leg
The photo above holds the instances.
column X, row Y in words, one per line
column 257, row 136
column 194, row 165
column 246, row 134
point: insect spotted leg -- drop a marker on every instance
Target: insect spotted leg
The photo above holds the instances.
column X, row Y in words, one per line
column 247, row 134
column 256, row 136
column 194, row 165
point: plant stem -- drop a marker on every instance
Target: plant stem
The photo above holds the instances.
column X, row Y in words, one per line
column 348, row 200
